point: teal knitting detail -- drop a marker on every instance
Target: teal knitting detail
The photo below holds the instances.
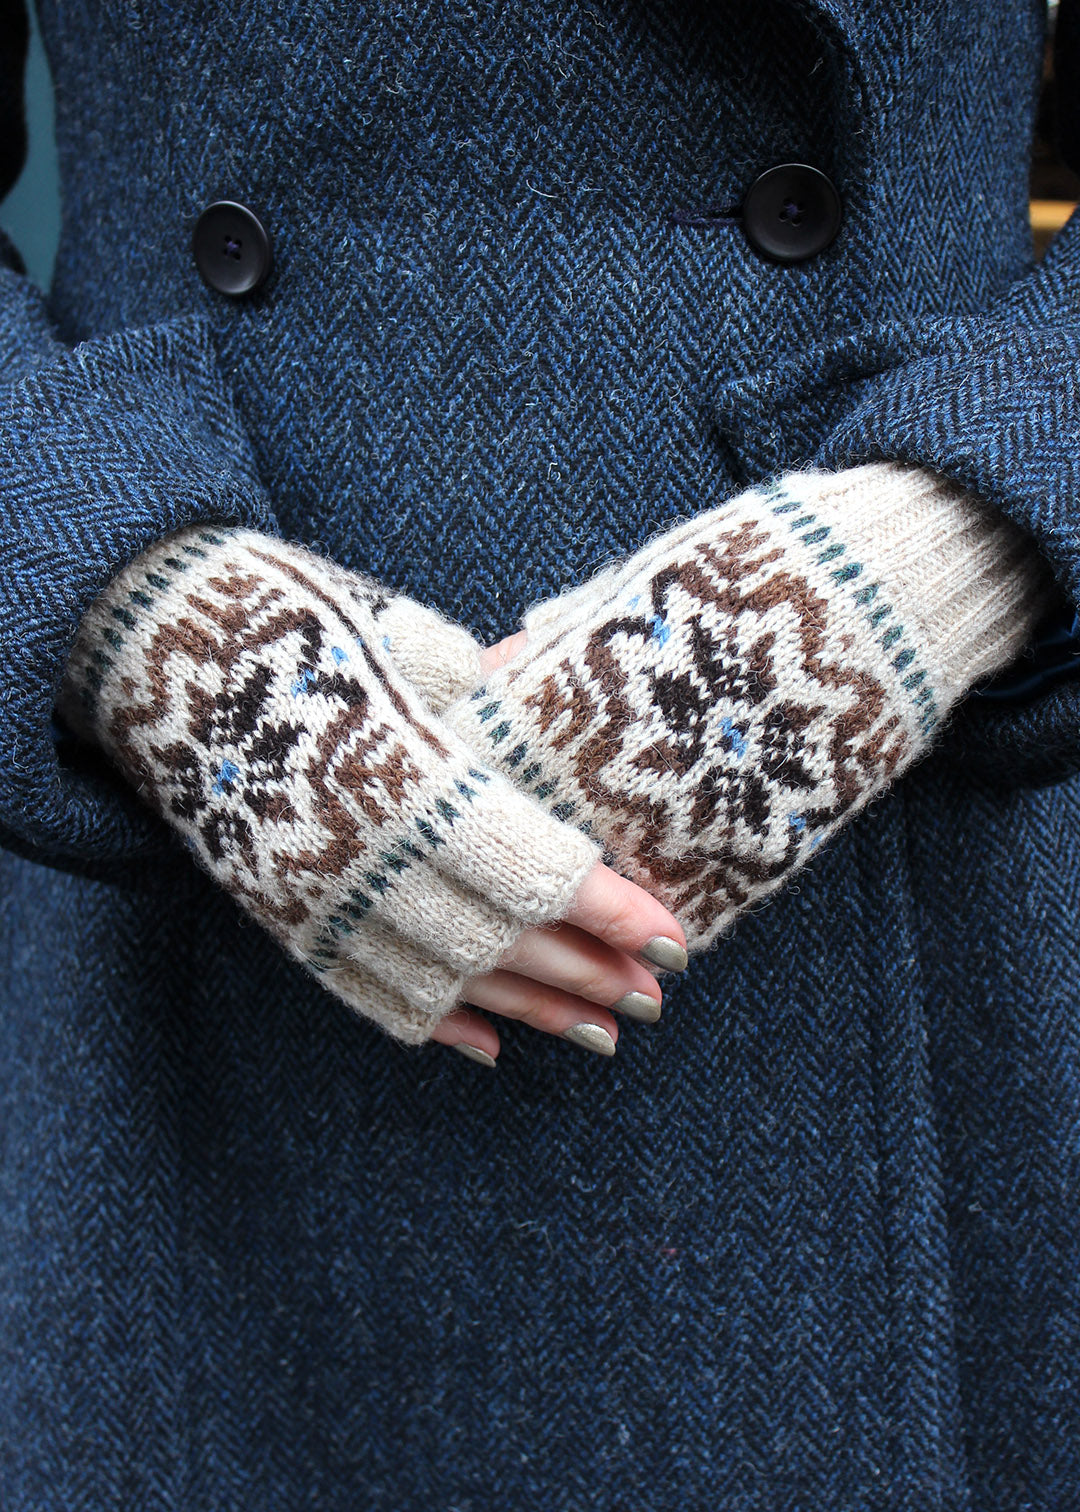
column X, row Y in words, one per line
column 783, row 503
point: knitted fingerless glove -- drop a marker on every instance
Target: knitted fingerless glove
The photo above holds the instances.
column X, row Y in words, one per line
column 717, row 705
column 243, row 686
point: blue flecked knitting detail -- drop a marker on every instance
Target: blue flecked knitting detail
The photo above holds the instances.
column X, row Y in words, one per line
column 226, row 777
column 736, row 738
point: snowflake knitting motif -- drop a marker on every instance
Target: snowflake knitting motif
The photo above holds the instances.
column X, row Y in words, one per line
column 691, row 707
column 719, row 676
column 231, row 677
column 705, row 728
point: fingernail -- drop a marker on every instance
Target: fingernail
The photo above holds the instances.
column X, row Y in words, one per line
column 474, row 1053
column 590, row 1037
column 638, row 1005
column 665, row 952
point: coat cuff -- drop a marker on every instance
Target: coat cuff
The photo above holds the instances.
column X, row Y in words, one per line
column 104, row 449
column 990, row 400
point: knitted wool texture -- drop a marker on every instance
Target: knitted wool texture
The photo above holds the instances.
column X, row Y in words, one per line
column 718, row 705
column 703, row 714
column 440, row 658
column 243, row 687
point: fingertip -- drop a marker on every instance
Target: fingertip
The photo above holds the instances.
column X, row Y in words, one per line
column 470, row 1034
column 666, row 953
column 475, row 1053
column 492, row 658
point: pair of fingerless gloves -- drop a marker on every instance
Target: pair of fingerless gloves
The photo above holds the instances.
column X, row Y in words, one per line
column 701, row 715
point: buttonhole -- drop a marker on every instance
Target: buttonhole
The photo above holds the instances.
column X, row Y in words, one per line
column 712, row 215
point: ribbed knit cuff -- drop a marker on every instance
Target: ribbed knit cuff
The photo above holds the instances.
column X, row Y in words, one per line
column 970, row 585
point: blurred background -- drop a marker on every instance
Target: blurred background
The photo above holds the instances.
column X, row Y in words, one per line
column 1055, row 188
column 31, row 212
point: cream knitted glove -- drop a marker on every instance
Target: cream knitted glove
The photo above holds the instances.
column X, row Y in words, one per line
column 717, row 705
column 242, row 685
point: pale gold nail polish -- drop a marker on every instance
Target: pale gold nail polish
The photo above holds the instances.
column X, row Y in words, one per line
column 590, row 1037
column 665, row 952
column 638, row 1005
column 474, row 1053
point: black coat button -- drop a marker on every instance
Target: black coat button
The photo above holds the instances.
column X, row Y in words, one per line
column 791, row 212
column 231, row 248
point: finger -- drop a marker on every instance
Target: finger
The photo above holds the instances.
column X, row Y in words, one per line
column 544, row 1008
column 466, row 1028
column 627, row 917
column 494, row 657
column 564, row 956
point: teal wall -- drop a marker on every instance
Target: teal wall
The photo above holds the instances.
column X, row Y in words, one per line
column 31, row 212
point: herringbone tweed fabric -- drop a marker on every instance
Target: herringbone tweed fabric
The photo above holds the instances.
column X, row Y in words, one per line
column 811, row 1241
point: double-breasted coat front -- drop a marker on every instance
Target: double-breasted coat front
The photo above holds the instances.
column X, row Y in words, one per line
column 810, row 1243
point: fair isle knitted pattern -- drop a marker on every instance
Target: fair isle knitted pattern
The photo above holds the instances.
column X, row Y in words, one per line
column 243, row 689
column 440, row 658
column 715, row 707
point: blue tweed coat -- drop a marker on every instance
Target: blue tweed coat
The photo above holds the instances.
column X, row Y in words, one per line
column 811, row 1244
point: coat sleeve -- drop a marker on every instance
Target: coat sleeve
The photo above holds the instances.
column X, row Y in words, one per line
column 993, row 401
column 105, row 447
column 990, row 399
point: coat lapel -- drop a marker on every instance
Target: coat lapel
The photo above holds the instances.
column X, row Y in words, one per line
column 849, row 29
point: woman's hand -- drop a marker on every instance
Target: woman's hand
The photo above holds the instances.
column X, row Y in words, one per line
column 572, row 973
